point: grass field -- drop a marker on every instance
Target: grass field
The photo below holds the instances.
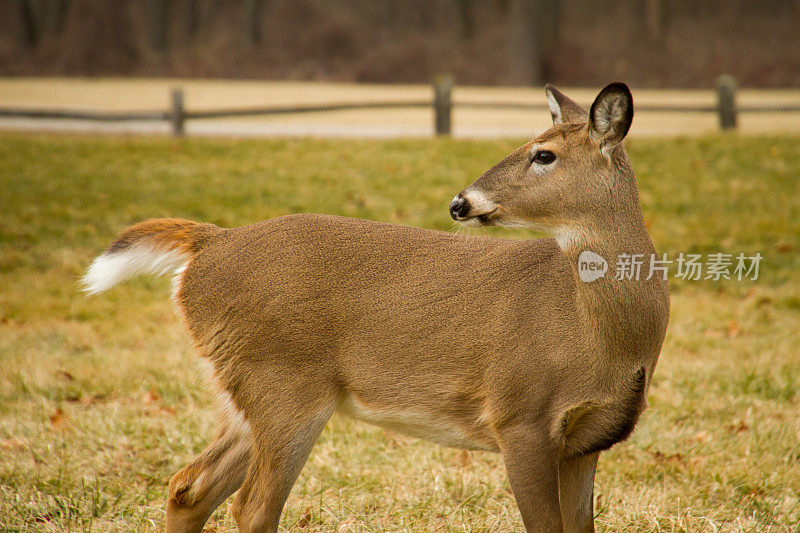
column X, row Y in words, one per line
column 101, row 400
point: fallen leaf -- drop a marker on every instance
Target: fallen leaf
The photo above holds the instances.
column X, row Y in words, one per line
column 150, row 397
column 305, row 520
column 738, row 427
column 661, row 457
column 152, row 402
column 57, row 420
column 91, row 399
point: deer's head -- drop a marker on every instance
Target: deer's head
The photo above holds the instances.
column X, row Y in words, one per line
column 565, row 179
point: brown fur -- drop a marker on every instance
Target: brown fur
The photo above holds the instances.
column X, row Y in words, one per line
column 472, row 342
column 165, row 234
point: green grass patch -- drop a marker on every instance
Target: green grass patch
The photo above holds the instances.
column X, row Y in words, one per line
column 100, row 402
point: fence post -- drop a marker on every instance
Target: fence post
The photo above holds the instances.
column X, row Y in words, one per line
column 726, row 101
column 178, row 114
column 442, row 103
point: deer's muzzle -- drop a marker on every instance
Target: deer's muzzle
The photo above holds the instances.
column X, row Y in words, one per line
column 459, row 208
column 472, row 204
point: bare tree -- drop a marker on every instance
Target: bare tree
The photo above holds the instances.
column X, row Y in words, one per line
column 549, row 19
column 29, row 23
column 192, row 19
column 254, row 11
column 524, row 42
column 54, row 13
column 158, row 21
column 533, row 35
column 654, row 18
column 465, row 17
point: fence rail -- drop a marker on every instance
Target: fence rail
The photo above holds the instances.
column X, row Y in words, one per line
column 255, row 111
column 442, row 105
column 100, row 116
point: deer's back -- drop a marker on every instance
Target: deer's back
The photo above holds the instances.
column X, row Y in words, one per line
column 347, row 296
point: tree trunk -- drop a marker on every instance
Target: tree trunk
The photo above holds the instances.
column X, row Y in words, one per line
column 28, row 23
column 654, row 19
column 466, row 19
column 255, row 19
column 524, row 42
column 158, row 23
column 53, row 16
column 548, row 17
column 192, row 19
column 548, row 21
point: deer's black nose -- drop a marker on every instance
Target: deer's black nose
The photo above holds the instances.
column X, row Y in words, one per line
column 459, row 208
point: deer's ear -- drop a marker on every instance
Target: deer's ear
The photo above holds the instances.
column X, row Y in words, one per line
column 563, row 109
column 610, row 116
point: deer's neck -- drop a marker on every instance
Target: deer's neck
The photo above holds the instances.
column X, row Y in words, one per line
column 622, row 309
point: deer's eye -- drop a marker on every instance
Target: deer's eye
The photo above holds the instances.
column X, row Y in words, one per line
column 544, row 157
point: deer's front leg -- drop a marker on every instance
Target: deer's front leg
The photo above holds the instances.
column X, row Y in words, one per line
column 532, row 466
column 576, row 482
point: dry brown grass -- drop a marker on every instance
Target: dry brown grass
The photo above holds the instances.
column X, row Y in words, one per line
column 101, row 402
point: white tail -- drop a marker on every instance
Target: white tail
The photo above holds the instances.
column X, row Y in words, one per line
column 110, row 269
column 155, row 247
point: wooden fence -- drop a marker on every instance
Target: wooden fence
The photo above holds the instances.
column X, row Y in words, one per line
column 442, row 104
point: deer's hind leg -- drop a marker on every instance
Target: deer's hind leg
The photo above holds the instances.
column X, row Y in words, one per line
column 286, row 422
column 201, row 486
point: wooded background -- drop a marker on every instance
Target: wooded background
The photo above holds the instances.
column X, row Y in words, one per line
column 648, row 43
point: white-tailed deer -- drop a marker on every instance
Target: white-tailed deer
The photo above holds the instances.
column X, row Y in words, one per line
column 471, row 342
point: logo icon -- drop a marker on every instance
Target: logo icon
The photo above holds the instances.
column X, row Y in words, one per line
column 591, row 266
